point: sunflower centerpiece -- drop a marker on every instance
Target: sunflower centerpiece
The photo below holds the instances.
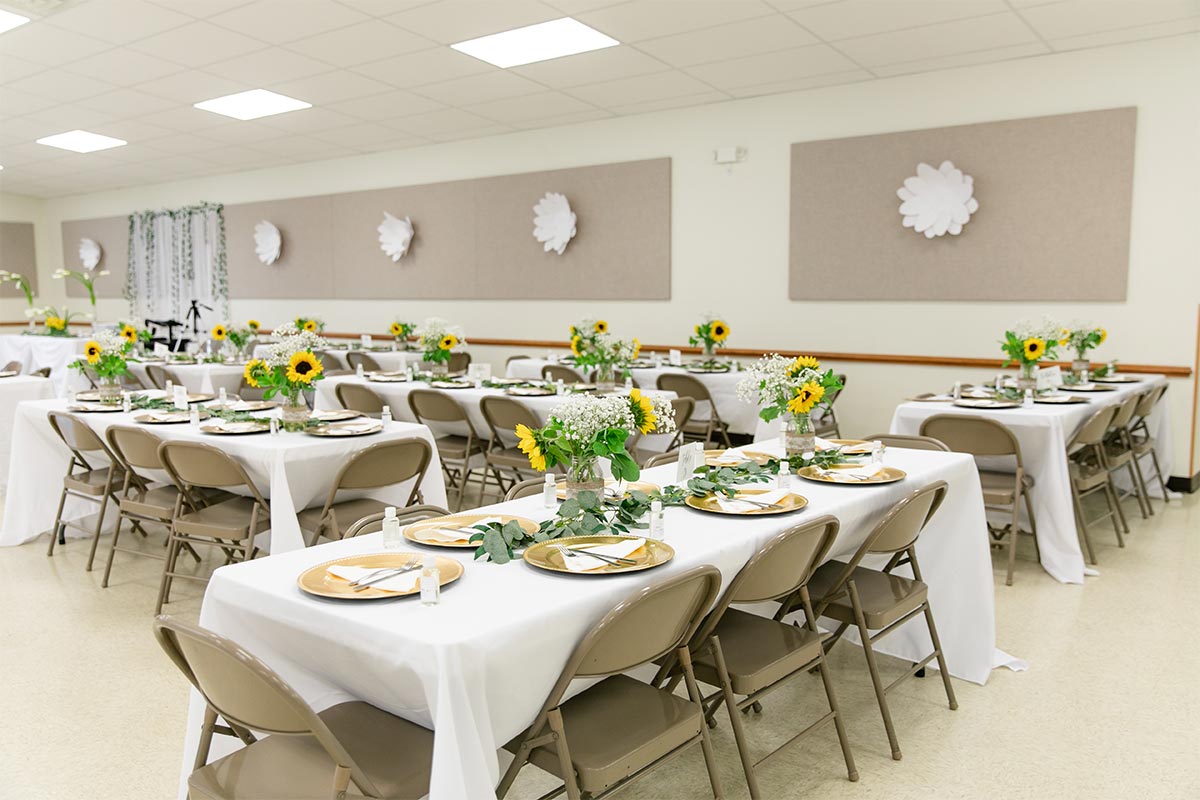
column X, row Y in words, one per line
column 585, row 429
column 595, row 348
column 710, row 334
column 105, row 362
column 400, row 331
column 790, row 389
column 234, row 339
column 289, row 370
column 310, row 324
column 439, row 340
column 55, row 321
column 138, row 337
column 1027, row 344
column 1083, row 336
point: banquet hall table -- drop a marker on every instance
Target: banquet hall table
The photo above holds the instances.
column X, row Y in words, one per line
column 13, row 391
column 477, row 667
column 198, row 377
column 56, row 352
column 722, row 386
column 293, row 470
column 389, row 360
column 1043, row 431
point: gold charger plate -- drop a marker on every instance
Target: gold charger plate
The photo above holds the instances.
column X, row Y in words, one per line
column 193, row 397
column 316, row 581
column 711, row 456
column 460, row 521
column 95, row 408
column 1061, row 400
column 1117, row 379
column 338, row 415
column 528, row 391
column 885, row 475
column 237, row 428
column 336, row 430
column 387, row 377
column 173, row 417
column 544, row 555
column 451, row 384
column 507, row 381
column 793, row 502
column 252, row 405
column 1087, row 387
column 987, row 404
column 639, row 486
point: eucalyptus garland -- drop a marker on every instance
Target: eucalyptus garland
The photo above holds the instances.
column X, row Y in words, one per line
column 171, row 234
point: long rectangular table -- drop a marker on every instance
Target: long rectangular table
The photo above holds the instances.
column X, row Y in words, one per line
column 391, row 360
column 197, row 377
column 15, row 390
column 293, row 470
column 477, row 667
column 1043, row 432
column 35, row 352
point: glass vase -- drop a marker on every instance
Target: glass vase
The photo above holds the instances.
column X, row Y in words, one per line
column 606, row 379
column 441, row 369
column 294, row 412
column 1081, row 364
column 1027, row 378
column 108, row 389
column 799, row 435
column 584, row 475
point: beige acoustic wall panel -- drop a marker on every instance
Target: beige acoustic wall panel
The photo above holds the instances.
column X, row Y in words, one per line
column 1054, row 194
column 112, row 234
column 18, row 254
column 304, row 267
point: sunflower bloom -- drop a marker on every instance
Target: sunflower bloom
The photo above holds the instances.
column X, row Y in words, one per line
column 248, row 373
column 719, row 330
column 529, row 446
column 448, row 342
column 252, row 324
column 643, row 412
column 219, row 333
column 1035, row 348
column 304, row 367
column 397, row 329
column 1103, row 335
column 805, row 362
column 57, row 323
column 310, row 325
column 806, row 397
column 92, row 351
column 129, row 333
column 575, row 342
column 637, row 348
column 601, row 326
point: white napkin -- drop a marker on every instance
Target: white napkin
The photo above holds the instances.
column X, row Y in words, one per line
column 865, row 471
column 405, row 582
column 450, row 535
column 242, row 405
column 740, row 507
column 163, row 416
column 731, row 456
column 621, row 549
column 359, row 425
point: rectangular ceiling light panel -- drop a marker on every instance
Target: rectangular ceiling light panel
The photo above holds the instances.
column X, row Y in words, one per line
column 540, row 42
column 252, row 104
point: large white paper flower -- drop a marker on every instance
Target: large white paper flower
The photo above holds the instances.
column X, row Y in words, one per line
column 553, row 222
column 938, row 201
column 395, row 235
column 89, row 253
column 267, row 242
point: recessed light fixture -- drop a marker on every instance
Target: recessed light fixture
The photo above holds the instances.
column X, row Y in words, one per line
column 540, row 42
column 9, row 20
column 81, row 141
column 252, row 104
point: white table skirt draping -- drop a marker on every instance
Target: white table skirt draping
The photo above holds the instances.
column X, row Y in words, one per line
column 1043, row 431
column 13, row 391
column 293, row 470
column 722, row 386
column 390, row 360
column 477, row 667
column 56, row 352
column 199, row 378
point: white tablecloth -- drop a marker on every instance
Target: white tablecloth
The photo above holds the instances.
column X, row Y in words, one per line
column 390, row 360
column 199, row 378
column 1043, row 431
column 13, row 391
column 722, row 386
column 294, row 470
column 477, row 667
column 55, row 352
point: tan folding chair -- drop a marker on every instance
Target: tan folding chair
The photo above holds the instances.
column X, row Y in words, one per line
column 382, row 464
column 511, row 359
column 824, row 417
column 620, row 728
column 231, row 525
column 456, row 452
column 250, row 393
column 880, row 600
column 369, row 364
column 1118, row 454
column 1090, row 475
column 527, row 488
column 96, row 484
column 705, row 420
column 750, row 656
column 160, row 376
column 14, row 366
column 373, row 523
column 557, row 372
column 458, row 363
column 360, row 398
column 307, row 754
column 503, row 415
column 908, row 442
column 669, row 457
column 1143, row 442
column 1002, row 491
column 683, row 407
column 44, row 372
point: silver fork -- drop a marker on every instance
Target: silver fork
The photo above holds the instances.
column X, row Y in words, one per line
column 388, row 573
column 758, row 503
column 614, row 561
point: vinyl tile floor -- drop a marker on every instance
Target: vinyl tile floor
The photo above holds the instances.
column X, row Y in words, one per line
column 1110, row 707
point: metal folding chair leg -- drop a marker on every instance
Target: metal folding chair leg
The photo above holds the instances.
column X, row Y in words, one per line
column 872, row 667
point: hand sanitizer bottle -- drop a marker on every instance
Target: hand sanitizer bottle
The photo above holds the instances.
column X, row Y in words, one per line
column 877, row 454
column 431, row 581
column 386, row 415
column 170, row 389
column 358, row 371
column 783, row 480
column 958, row 390
column 560, row 388
column 126, row 402
column 392, row 540
column 999, row 382
column 274, row 426
column 550, row 492
column 628, row 383
column 1029, row 398
column 656, row 520
column 194, row 415
column 223, row 397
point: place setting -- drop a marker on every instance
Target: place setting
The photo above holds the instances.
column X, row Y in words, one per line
column 749, row 502
column 389, row 377
column 456, row 531
column 598, row 555
column 352, row 427
column 166, row 416
column 375, row 576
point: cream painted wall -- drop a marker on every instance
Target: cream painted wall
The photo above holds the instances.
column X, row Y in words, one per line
column 730, row 233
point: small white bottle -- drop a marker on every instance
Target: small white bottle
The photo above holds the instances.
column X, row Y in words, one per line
column 358, row 371
column 431, row 581
column 1085, row 377
column 126, row 402
column 194, row 415
column 223, row 396
column 274, row 426
column 783, row 479
column 999, row 382
column 958, row 390
column 479, row 383
column 392, row 540
column 386, row 415
column 1029, row 398
column 170, row 388
column 877, row 454
column 560, row 387
column 550, row 492
column 628, row 383
column 656, row 520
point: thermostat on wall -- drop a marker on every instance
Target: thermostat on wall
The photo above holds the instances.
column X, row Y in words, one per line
column 729, row 155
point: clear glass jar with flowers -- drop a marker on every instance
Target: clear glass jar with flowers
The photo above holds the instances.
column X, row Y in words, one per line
column 239, row 338
column 789, row 389
column 56, row 321
column 310, row 324
column 595, row 348
column 400, row 331
column 1027, row 344
column 439, row 340
column 585, row 429
column 1083, row 337
column 710, row 334
column 104, row 361
column 289, row 370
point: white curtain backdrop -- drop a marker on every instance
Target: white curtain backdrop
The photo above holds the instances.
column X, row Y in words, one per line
column 176, row 257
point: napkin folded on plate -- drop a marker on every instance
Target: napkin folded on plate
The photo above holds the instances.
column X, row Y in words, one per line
column 825, row 444
column 405, row 582
column 163, row 416
column 450, row 535
column 736, row 506
column 731, row 456
column 358, row 425
column 621, row 549
column 865, row 471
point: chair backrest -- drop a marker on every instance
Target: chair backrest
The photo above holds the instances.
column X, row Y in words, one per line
column 356, row 357
column 13, row 366
column 1149, row 400
column 1125, row 412
column 909, row 442
column 75, row 433
column 248, row 392
column 684, row 408
column 385, row 464
column 373, row 523
column 196, row 464
column 245, row 691
column 684, row 386
column 434, row 406
column 159, row 375
column 525, row 489
column 511, row 359
column 558, row 372
column 669, row 457
column 901, row 526
column 1092, row 431
column 458, row 362
column 359, row 398
column 44, row 372
column 504, row 414
column 978, row 436
column 137, row 448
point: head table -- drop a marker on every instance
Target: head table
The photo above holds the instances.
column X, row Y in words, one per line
column 15, row 390
column 477, row 667
column 35, row 352
column 198, row 377
column 293, row 470
column 1043, row 432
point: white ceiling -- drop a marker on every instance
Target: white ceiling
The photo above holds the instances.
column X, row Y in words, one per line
column 380, row 76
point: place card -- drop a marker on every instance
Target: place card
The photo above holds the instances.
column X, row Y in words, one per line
column 691, row 458
column 675, row 358
column 365, row 341
column 1049, row 378
column 180, row 397
column 479, row 372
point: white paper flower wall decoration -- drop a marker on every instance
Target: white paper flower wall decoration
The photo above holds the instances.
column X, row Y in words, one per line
column 553, row 222
column 89, row 253
column 938, row 201
column 395, row 235
column 267, row 242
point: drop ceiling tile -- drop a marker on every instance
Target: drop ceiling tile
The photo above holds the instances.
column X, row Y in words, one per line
column 382, row 8
column 199, row 8
column 191, row 87
column 181, row 145
column 60, row 85
column 330, row 87
column 424, row 66
column 68, row 117
column 565, row 119
column 122, row 67
column 735, row 40
column 357, row 44
column 843, row 20
column 125, row 103
column 197, row 44
column 478, row 88
column 802, row 84
column 643, row 89
column 133, row 154
column 1142, row 32
column 387, row 105
column 648, row 19
column 448, row 23
column 293, row 145
column 279, row 21
column 235, row 156
column 399, row 141
column 438, row 122
column 16, row 102
column 268, row 66
column 667, row 103
column 117, row 21
column 608, row 64
column 185, row 118
column 963, row 59
column 942, row 39
column 307, row 120
column 12, row 68
column 794, row 5
column 572, row 7
column 42, row 44
column 21, row 131
column 241, row 132
column 361, row 134
column 1076, row 17
column 24, row 152
column 784, row 65
column 534, row 106
column 472, row 133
